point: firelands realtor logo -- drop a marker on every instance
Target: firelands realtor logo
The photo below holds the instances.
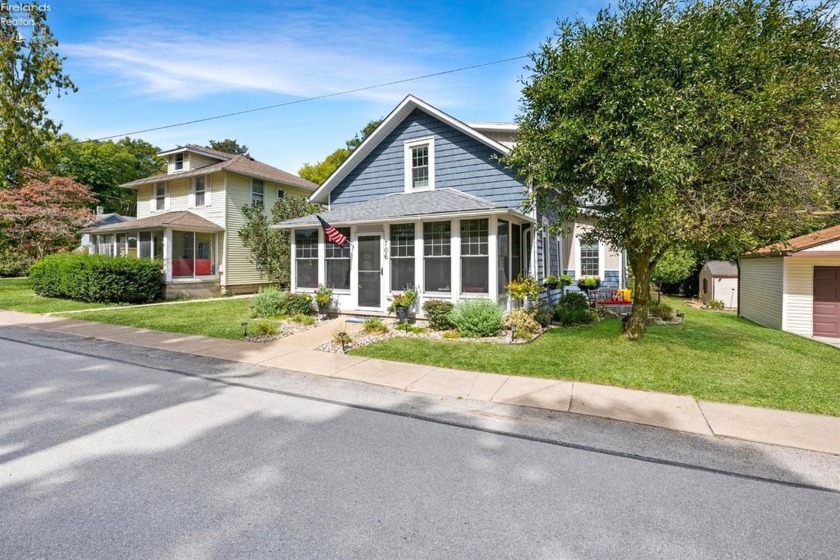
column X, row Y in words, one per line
column 21, row 15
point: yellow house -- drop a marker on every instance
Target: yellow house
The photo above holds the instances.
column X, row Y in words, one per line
column 190, row 217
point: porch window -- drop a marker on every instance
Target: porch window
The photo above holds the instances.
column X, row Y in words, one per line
column 183, row 254
column 402, row 257
column 200, row 189
column 503, row 255
column 589, row 259
column 105, row 245
column 306, row 258
column 257, row 191
column 145, row 245
column 132, row 245
column 474, row 256
column 160, row 196
column 516, row 250
column 121, row 243
column 338, row 263
column 437, row 261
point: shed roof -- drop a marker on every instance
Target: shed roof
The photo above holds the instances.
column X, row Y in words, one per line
column 800, row 243
column 181, row 219
column 402, row 206
column 722, row 269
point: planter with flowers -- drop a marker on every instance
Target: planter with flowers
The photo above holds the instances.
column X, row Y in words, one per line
column 323, row 300
column 402, row 304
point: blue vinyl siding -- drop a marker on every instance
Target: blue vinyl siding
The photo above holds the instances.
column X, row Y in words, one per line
column 611, row 279
column 461, row 163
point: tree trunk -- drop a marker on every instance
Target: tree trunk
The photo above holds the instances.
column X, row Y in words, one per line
column 634, row 326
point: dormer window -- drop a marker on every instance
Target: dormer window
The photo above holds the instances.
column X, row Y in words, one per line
column 420, row 164
column 178, row 164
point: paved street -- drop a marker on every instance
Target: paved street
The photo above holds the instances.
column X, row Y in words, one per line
column 186, row 457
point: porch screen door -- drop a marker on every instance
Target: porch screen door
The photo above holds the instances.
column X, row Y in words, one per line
column 370, row 271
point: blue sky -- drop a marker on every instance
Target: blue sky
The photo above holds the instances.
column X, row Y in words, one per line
column 140, row 65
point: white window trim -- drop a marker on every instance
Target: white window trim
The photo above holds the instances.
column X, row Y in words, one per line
column 263, row 191
column 579, row 268
column 192, row 197
column 408, row 146
column 166, row 202
column 184, row 163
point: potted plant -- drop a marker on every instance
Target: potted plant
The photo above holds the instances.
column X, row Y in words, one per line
column 551, row 282
column 588, row 284
column 323, row 300
column 402, row 304
column 522, row 288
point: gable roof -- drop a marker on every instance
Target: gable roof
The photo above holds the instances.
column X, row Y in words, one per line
column 800, row 243
column 203, row 150
column 722, row 269
column 168, row 219
column 394, row 118
column 405, row 206
column 244, row 165
column 108, row 219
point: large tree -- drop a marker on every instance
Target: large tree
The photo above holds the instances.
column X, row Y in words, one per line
column 682, row 125
column 271, row 248
column 104, row 166
column 229, row 146
column 319, row 171
column 44, row 215
column 30, row 70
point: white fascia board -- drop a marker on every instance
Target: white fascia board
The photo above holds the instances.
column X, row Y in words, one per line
column 394, row 118
column 423, row 218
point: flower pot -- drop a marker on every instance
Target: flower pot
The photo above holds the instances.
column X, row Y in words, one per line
column 324, row 310
column 402, row 313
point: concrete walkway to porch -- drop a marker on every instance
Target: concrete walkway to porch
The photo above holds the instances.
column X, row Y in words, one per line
column 297, row 353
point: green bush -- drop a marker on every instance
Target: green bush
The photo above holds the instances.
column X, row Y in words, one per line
column 265, row 328
column 661, row 310
column 437, row 311
column 375, row 325
column 542, row 312
column 477, row 317
column 521, row 323
column 713, row 304
column 574, row 300
column 574, row 316
column 303, row 319
column 451, row 334
column 97, row 278
column 269, row 302
column 14, row 263
column 298, row 303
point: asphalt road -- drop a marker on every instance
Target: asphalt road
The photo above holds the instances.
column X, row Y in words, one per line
column 101, row 457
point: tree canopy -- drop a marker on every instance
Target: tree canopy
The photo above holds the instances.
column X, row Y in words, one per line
column 30, row 70
column 104, row 166
column 229, row 146
column 682, row 125
column 318, row 172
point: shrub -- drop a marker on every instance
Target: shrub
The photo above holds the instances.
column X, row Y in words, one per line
column 375, row 325
column 303, row 319
column 265, row 328
column 14, row 263
column 574, row 300
column 342, row 337
column 451, row 334
column 524, row 287
column 715, row 304
column 323, row 296
column 97, row 278
column 574, row 316
column 521, row 323
column 543, row 313
column 477, row 317
column 437, row 311
column 298, row 304
column 661, row 310
column 269, row 302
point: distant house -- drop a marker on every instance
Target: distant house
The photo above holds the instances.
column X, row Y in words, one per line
column 190, row 216
column 719, row 282
column 102, row 219
column 795, row 286
column 427, row 204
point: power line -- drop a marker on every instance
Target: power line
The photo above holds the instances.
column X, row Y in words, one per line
column 306, row 99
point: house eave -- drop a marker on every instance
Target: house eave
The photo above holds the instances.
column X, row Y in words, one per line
column 419, row 217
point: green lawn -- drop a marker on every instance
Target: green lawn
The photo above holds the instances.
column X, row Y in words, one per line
column 16, row 295
column 220, row 318
column 711, row 356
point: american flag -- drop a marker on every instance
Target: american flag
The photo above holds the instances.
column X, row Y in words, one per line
column 332, row 234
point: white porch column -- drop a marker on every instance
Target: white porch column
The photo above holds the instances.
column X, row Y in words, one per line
column 419, row 281
column 493, row 257
column 455, row 262
column 167, row 254
column 322, row 255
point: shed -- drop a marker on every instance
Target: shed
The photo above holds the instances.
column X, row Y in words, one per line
column 719, row 281
column 795, row 286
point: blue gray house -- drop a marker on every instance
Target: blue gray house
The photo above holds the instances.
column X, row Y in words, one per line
column 426, row 204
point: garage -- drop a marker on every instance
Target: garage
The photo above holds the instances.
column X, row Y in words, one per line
column 827, row 301
column 794, row 286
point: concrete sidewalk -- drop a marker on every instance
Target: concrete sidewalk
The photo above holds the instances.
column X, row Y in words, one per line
column 297, row 353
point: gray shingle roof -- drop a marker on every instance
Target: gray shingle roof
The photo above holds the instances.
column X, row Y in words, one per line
column 181, row 218
column 400, row 206
column 722, row 269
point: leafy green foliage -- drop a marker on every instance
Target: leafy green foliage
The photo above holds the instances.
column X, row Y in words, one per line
column 43, row 216
column 542, row 312
column 302, row 319
column 229, row 146
column 271, row 302
column 271, row 248
column 342, row 337
column 589, row 283
column 715, row 304
column 14, row 263
column 573, row 309
column 661, row 310
column 675, row 266
column 524, row 287
column 375, row 325
column 298, row 304
column 574, row 300
column 437, row 311
column 521, row 323
column 30, row 72
column 264, row 327
column 685, row 124
column 318, row 172
column 97, row 278
column 104, row 166
column 477, row 317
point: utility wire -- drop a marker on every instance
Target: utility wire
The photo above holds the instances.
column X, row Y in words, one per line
column 306, row 99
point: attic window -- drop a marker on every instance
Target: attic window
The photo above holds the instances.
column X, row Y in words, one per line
column 420, row 164
column 179, row 162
